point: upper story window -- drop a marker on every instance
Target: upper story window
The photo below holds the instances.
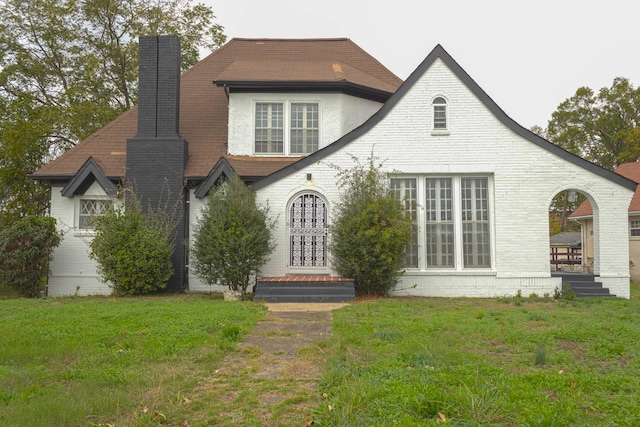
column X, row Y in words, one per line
column 304, row 128
column 286, row 128
column 89, row 209
column 269, row 127
column 439, row 113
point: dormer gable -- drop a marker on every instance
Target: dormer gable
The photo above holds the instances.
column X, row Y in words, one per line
column 89, row 173
column 222, row 169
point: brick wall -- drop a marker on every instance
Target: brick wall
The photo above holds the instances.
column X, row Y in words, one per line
column 156, row 156
column 525, row 178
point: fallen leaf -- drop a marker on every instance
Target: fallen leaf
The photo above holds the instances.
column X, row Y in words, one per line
column 184, row 424
column 145, row 410
column 561, row 371
column 330, row 408
column 186, row 400
column 159, row 416
column 443, row 418
column 573, row 384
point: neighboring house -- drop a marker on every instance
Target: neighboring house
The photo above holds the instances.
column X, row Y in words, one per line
column 283, row 114
column 584, row 214
column 566, row 252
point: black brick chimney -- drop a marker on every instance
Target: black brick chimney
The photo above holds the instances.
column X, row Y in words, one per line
column 157, row 155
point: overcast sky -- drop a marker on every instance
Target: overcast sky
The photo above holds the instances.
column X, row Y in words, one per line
column 528, row 56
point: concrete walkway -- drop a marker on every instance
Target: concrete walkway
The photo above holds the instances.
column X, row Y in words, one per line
column 280, row 336
column 278, row 364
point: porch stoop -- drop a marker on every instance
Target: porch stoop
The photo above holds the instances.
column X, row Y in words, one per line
column 584, row 285
column 304, row 289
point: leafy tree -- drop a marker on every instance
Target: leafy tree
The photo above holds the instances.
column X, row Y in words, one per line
column 26, row 249
column 69, row 67
column 370, row 231
column 602, row 127
column 133, row 248
column 232, row 238
column 561, row 207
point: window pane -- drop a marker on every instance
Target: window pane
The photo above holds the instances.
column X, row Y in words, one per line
column 439, row 117
column 439, row 113
column 406, row 189
column 304, row 128
column 269, row 128
column 634, row 226
column 476, row 246
column 439, row 223
column 89, row 210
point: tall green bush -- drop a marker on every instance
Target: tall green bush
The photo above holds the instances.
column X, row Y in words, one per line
column 370, row 230
column 133, row 248
column 232, row 238
column 26, row 249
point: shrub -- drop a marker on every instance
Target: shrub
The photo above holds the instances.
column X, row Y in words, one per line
column 26, row 249
column 232, row 238
column 370, row 230
column 133, row 249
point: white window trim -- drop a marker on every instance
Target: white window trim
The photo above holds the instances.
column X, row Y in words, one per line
column 457, row 219
column 286, row 120
column 76, row 220
column 440, row 131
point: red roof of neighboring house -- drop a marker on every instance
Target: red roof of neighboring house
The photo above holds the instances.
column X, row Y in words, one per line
column 204, row 106
column 628, row 170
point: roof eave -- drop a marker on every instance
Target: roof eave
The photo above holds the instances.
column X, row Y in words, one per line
column 343, row 86
column 440, row 53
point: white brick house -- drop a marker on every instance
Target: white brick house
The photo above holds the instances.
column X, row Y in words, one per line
column 482, row 184
column 507, row 174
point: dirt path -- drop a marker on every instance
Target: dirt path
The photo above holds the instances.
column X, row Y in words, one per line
column 272, row 378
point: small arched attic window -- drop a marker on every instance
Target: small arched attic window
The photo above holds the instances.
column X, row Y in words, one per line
column 439, row 113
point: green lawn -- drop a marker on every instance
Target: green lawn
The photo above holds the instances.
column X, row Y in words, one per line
column 511, row 362
column 101, row 361
column 501, row 362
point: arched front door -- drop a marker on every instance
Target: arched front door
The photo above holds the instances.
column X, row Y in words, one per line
column 308, row 233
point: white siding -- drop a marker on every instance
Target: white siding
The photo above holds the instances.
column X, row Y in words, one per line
column 72, row 271
column 338, row 114
column 525, row 179
column 195, row 284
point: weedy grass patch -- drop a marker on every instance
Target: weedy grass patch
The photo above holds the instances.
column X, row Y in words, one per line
column 523, row 362
column 112, row 361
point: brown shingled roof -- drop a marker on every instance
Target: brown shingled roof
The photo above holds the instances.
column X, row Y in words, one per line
column 628, row 170
column 203, row 105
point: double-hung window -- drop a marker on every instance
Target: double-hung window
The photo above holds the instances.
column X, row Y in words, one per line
column 454, row 221
column 634, row 228
column 269, row 127
column 439, row 231
column 286, row 128
column 406, row 190
column 304, row 128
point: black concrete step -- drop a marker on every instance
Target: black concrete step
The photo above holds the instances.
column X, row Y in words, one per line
column 583, row 285
column 588, row 289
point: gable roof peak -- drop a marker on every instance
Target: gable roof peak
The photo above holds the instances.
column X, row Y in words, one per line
column 438, row 52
